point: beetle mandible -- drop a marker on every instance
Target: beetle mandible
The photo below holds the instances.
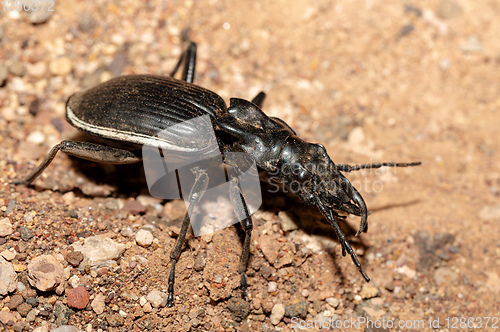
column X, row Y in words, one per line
column 127, row 112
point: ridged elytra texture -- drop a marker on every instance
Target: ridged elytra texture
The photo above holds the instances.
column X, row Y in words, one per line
column 136, row 108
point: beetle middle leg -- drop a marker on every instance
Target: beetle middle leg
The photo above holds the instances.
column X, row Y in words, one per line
column 84, row 150
column 241, row 211
column 199, row 187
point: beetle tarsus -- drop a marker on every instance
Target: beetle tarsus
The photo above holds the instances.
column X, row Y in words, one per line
column 242, row 213
column 346, row 247
column 171, row 281
column 244, row 286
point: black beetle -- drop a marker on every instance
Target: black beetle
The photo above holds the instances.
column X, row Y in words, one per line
column 128, row 112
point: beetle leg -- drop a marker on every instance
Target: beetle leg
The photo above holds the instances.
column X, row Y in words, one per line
column 259, row 99
column 199, row 187
column 346, row 247
column 241, row 210
column 84, row 150
column 349, row 168
column 189, row 56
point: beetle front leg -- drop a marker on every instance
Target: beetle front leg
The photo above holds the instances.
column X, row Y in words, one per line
column 199, row 187
column 84, row 150
column 241, row 210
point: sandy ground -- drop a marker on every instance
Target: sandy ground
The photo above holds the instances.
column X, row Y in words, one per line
column 370, row 80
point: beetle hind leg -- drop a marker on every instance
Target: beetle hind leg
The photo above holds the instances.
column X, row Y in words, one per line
column 199, row 187
column 84, row 150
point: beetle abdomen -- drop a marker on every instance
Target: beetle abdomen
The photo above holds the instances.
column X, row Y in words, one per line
column 136, row 108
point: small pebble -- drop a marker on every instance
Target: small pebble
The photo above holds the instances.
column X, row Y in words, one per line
column 100, row 248
column 37, row 70
column 66, row 328
column 26, row 233
column 74, row 258
column 78, row 298
column 115, row 320
column 62, row 312
column 17, row 68
column 333, row 301
column 144, row 238
column 39, row 16
column 6, row 316
column 471, row 45
column 86, row 22
column 74, row 281
column 239, row 307
column 60, row 66
column 126, row 232
column 200, row 261
column 157, row 298
column 8, row 255
column 5, row 227
column 29, row 292
column 32, row 301
column 277, row 313
column 368, row 291
column 272, row 287
column 23, row 309
column 98, row 304
column 147, row 308
column 31, row 316
column 298, row 309
column 46, row 273
column 287, row 222
column 36, row 137
column 15, row 301
column 444, row 275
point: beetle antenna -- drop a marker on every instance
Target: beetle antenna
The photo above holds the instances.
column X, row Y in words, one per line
column 349, row 168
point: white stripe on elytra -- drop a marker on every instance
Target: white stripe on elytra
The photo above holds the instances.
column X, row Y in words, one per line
column 126, row 136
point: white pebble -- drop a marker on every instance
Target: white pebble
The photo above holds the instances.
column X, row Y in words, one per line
column 144, row 238
column 272, row 287
column 277, row 313
column 36, row 137
column 157, row 298
column 74, row 281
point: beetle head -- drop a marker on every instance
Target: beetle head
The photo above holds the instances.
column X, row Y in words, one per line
column 309, row 172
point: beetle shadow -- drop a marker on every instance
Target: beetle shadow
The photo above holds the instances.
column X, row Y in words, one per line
column 103, row 179
column 313, row 223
